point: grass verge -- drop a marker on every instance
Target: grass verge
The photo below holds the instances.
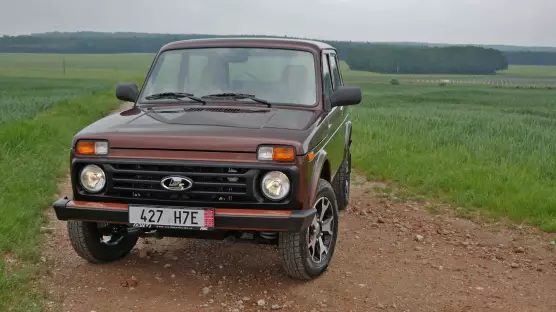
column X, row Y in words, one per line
column 476, row 147
column 22, row 98
column 33, row 158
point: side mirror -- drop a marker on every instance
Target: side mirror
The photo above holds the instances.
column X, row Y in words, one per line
column 346, row 95
column 127, row 92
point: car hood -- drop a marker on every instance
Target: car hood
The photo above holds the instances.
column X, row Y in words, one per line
column 203, row 128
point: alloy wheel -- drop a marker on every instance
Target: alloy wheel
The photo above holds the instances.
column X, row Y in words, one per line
column 321, row 230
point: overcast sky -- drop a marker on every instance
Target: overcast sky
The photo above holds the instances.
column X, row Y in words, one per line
column 520, row 22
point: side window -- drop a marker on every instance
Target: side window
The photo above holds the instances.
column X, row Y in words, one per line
column 327, row 80
column 335, row 71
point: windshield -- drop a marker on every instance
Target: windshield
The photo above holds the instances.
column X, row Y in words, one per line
column 278, row 76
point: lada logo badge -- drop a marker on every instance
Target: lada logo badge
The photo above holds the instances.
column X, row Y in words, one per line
column 176, row 183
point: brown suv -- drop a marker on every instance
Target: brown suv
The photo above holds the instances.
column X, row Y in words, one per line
column 238, row 138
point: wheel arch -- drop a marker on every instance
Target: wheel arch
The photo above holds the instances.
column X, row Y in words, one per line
column 321, row 170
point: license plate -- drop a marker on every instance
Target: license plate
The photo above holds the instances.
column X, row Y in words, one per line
column 178, row 218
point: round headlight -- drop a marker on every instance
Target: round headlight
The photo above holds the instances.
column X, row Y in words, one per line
column 275, row 185
column 92, row 178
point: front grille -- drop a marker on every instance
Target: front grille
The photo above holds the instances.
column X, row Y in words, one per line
column 210, row 183
column 215, row 184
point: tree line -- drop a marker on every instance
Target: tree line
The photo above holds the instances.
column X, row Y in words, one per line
column 531, row 58
column 92, row 42
column 384, row 58
column 425, row 60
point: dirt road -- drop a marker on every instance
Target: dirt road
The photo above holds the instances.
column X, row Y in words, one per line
column 391, row 256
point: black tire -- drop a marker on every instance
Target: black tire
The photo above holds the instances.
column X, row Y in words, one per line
column 343, row 183
column 86, row 237
column 294, row 250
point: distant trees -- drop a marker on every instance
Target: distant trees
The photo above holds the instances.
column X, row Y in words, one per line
column 383, row 58
column 87, row 44
column 425, row 60
column 531, row 58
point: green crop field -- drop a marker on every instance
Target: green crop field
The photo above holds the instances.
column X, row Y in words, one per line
column 31, row 83
column 468, row 143
column 22, row 97
column 540, row 77
column 530, row 71
column 75, row 66
column 475, row 146
column 487, row 142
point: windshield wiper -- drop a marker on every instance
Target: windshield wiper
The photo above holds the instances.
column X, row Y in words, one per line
column 174, row 95
column 237, row 96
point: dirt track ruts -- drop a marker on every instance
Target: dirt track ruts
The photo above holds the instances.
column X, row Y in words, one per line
column 379, row 265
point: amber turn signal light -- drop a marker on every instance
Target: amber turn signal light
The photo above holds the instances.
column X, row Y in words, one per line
column 276, row 153
column 283, row 154
column 91, row 148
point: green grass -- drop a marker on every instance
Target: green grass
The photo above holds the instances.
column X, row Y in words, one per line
column 515, row 77
column 529, row 71
column 482, row 147
column 41, row 108
column 513, row 70
column 34, row 82
column 22, row 97
column 491, row 149
column 113, row 67
column 33, row 158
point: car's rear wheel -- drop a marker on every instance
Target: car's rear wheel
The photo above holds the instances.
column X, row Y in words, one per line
column 307, row 254
column 100, row 244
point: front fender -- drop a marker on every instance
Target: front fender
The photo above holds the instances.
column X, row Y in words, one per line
column 318, row 165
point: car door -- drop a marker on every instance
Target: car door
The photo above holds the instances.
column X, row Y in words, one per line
column 336, row 116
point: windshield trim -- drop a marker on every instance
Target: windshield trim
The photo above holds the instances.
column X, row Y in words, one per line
column 317, row 71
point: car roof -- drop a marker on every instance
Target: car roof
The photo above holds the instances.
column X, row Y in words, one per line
column 248, row 41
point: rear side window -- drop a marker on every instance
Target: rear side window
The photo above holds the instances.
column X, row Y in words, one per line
column 327, row 79
column 335, row 71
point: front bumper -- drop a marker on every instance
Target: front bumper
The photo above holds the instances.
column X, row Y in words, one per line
column 224, row 218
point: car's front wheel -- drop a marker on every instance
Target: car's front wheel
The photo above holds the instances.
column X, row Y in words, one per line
column 99, row 244
column 307, row 254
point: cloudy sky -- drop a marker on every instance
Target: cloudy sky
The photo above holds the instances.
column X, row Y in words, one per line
column 521, row 22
